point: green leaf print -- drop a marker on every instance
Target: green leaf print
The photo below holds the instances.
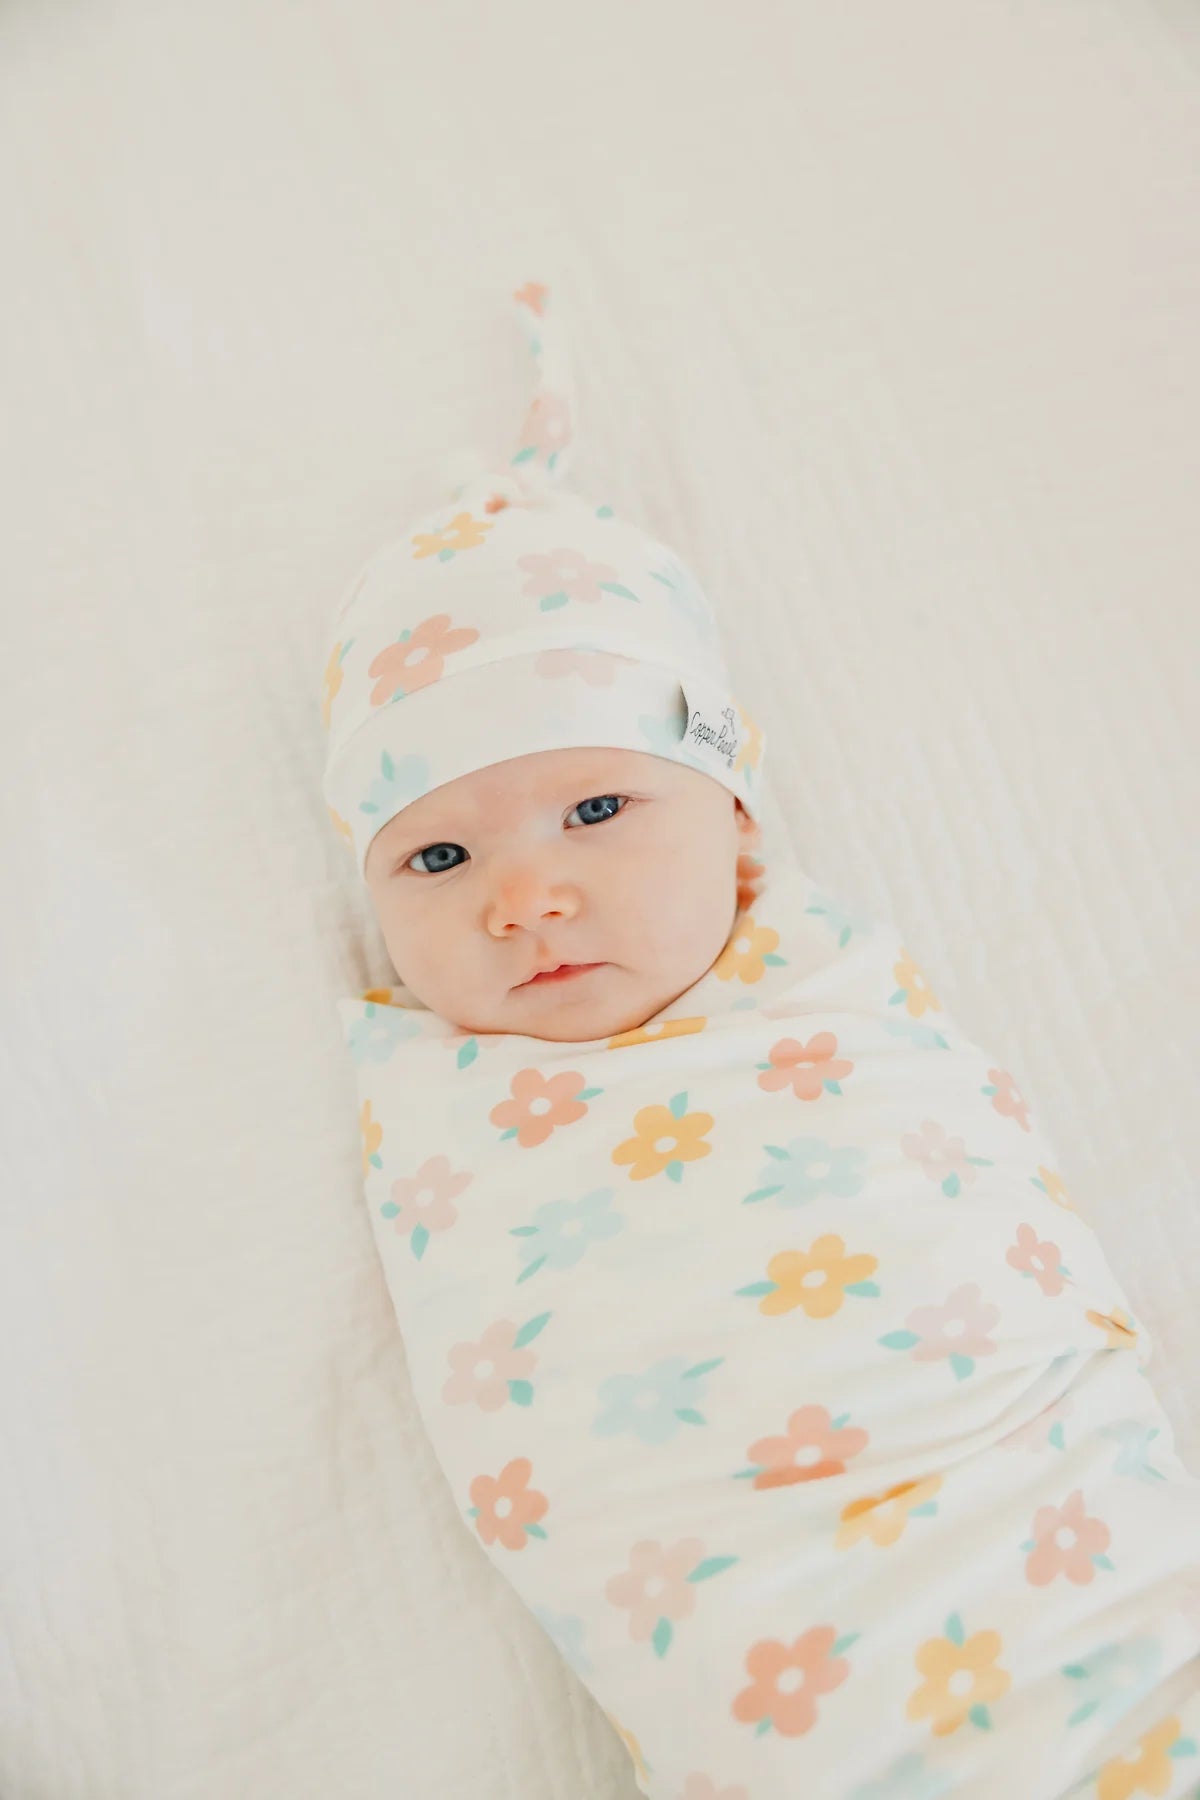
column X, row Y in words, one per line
column 712, row 1565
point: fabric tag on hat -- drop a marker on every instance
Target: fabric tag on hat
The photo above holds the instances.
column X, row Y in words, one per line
column 712, row 734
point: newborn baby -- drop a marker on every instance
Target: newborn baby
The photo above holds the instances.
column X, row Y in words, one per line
column 760, row 1343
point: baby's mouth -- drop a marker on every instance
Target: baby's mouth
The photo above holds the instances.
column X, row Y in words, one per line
column 565, row 972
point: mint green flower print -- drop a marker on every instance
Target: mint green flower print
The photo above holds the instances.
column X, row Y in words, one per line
column 563, row 1230
column 807, row 1167
column 1109, row 1682
column 655, row 1405
column 373, row 1037
column 397, row 784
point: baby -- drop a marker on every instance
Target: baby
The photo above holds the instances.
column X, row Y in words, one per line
column 758, row 1338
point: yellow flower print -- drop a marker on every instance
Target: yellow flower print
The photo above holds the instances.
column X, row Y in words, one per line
column 1117, row 1325
column 816, row 1279
column 945, row 1700
column 1054, row 1188
column 650, row 1034
column 372, row 1137
column 748, row 951
column 751, row 748
column 633, row 1747
column 462, row 533
column 381, row 996
column 332, row 681
column 1150, row 1773
column 666, row 1138
column 340, row 826
column 882, row 1517
column 913, row 989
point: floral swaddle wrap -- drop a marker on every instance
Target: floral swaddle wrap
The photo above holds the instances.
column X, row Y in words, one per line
column 770, row 1362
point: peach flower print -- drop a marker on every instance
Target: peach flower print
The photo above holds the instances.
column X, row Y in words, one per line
column 533, row 295
column 556, row 576
column 818, row 1279
column 774, row 1698
column 655, row 1586
column 666, row 1028
column 540, row 1103
column 1039, row 1258
column 418, row 659
column 666, row 1137
column 808, row 1069
column 423, row 1203
column 751, row 947
column 1151, row 1772
column 882, row 1517
column 1006, row 1097
column 702, row 1787
column 506, row 1507
column 1117, row 1326
column 941, row 1698
column 1079, row 1556
column 482, row 1371
column 749, row 880
column 813, row 1447
column 944, row 1159
column 912, row 988
column 372, row 1137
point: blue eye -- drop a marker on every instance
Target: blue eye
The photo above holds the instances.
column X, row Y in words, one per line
column 620, row 801
column 599, row 800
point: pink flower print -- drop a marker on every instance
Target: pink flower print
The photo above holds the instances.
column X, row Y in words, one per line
column 655, row 1586
column 598, row 668
column 808, row 1069
column 1039, row 1258
column 423, row 1203
column 956, row 1330
column 1066, row 1542
column 482, row 1371
column 546, row 429
column 944, row 1159
column 1045, row 1428
column 557, row 576
column 1006, row 1097
column 418, row 659
column 702, row 1787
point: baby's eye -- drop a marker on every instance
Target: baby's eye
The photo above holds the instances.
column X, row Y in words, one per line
column 435, row 851
column 601, row 800
column 439, row 866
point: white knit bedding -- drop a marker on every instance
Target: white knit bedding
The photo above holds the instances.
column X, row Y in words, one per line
column 886, row 319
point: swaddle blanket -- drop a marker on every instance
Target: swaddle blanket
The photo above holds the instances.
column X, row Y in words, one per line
column 768, row 1358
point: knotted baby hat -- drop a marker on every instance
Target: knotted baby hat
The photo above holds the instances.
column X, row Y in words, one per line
column 520, row 617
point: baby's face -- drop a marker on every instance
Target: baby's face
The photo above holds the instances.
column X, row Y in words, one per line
column 612, row 857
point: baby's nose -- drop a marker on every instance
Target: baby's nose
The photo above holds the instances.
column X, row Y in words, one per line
column 525, row 897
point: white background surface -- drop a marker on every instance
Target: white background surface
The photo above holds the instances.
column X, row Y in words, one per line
column 886, row 318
